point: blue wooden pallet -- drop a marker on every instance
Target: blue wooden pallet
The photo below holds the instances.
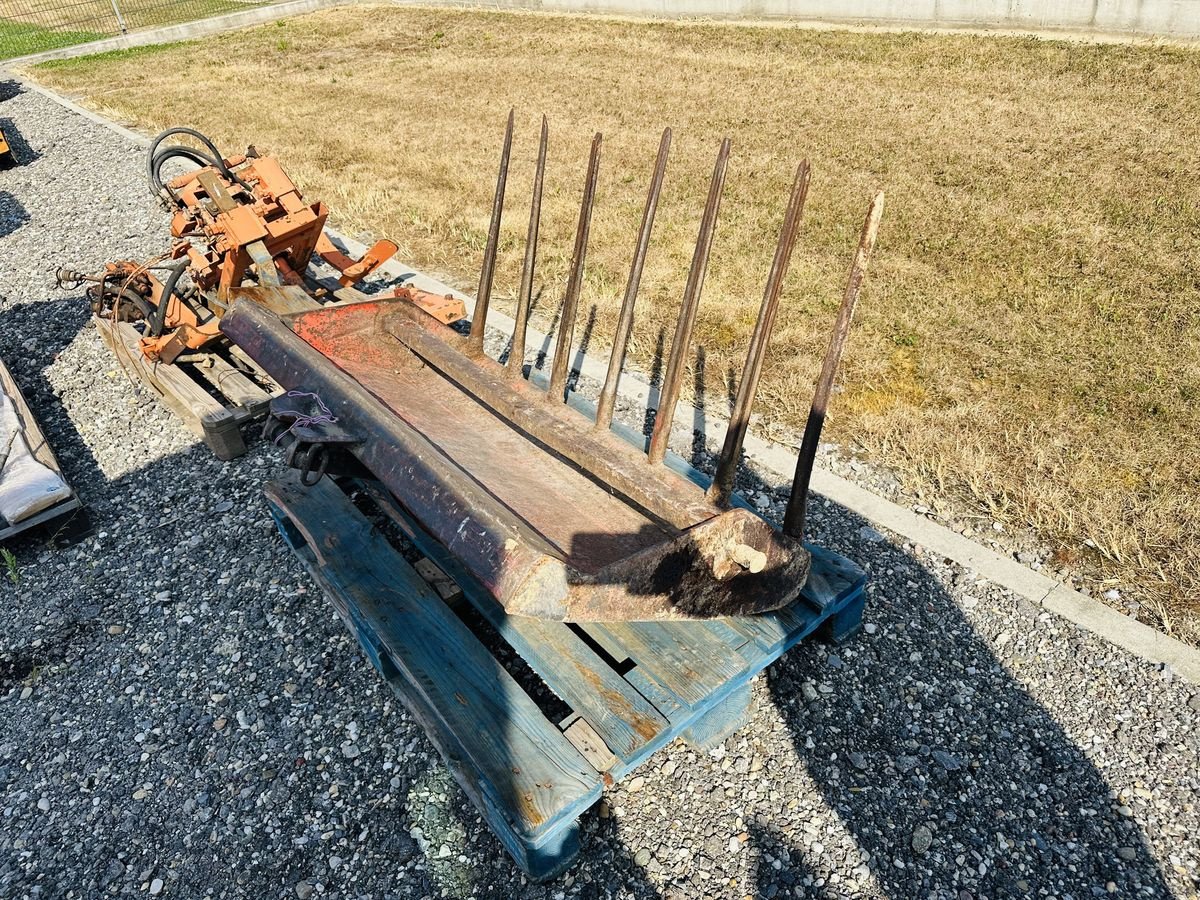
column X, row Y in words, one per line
column 632, row 687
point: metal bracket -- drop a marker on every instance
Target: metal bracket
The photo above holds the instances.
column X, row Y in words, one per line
column 303, row 425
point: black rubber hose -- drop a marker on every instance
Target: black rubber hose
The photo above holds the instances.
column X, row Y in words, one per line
column 175, row 151
column 168, row 290
column 115, row 295
column 218, row 159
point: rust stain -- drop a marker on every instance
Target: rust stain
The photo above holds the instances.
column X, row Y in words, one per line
column 644, row 726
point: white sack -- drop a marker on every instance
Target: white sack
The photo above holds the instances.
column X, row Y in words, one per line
column 26, row 486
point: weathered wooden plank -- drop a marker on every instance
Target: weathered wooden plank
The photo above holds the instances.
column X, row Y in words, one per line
column 584, row 738
column 508, row 756
column 624, row 718
column 233, row 385
column 438, row 580
column 662, row 699
column 691, row 659
column 605, row 641
column 201, row 413
column 584, row 681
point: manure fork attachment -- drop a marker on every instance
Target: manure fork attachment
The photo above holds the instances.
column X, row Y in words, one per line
column 559, row 515
column 644, row 594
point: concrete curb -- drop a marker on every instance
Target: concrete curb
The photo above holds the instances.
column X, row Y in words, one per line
column 1129, row 634
column 185, row 31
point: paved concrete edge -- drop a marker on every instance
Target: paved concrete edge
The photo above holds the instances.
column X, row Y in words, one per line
column 185, row 31
column 826, row 19
column 1115, row 627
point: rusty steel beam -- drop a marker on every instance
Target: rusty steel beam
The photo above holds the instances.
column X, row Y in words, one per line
column 677, row 363
column 720, row 492
column 516, row 354
column 488, row 272
column 561, row 366
column 608, row 394
column 797, row 508
column 450, row 461
column 667, row 495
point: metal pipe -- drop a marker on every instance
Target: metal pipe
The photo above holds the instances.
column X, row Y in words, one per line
column 797, row 508
column 673, row 380
column 721, row 489
column 516, row 354
column 608, row 394
column 484, row 295
column 566, row 321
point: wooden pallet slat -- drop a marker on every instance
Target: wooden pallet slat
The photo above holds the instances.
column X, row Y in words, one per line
column 230, row 381
column 518, row 768
column 688, row 679
column 216, row 423
column 690, row 658
column 622, row 717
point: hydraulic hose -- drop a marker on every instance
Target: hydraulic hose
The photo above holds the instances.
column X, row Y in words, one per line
column 217, row 159
column 175, row 151
column 168, row 291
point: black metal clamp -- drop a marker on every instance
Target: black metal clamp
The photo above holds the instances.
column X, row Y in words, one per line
column 309, row 433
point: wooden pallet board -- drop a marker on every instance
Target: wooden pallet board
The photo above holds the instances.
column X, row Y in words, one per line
column 632, row 687
column 41, row 452
column 188, row 389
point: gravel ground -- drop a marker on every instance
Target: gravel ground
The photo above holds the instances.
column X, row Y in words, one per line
column 181, row 714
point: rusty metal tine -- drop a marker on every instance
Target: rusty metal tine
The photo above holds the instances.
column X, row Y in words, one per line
column 608, row 394
column 797, row 508
column 516, row 354
column 566, row 321
column 721, row 489
column 484, row 295
column 677, row 363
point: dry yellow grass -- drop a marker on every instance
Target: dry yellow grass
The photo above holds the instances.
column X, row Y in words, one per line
column 1029, row 338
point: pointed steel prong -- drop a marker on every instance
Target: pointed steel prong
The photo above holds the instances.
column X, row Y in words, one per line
column 721, row 490
column 484, row 295
column 673, row 380
column 608, row 394
column 797, row 508
column 566, row 322
column 516, row 355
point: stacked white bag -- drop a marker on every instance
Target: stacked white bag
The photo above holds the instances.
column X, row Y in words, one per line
column 26, row 486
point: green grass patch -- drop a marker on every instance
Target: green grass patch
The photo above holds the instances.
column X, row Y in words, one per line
column 21, row 39
column 92, row 20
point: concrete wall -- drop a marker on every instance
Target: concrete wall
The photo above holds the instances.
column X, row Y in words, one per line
column 1178, row 19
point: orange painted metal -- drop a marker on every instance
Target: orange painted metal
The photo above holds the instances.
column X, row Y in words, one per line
column 446, row 308
column 6, row 155
column 238, row 223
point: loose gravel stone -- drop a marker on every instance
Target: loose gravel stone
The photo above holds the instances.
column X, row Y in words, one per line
column 231, row 696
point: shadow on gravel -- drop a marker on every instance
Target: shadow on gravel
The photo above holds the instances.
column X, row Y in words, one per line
column 952, row 779
column 12, row 214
